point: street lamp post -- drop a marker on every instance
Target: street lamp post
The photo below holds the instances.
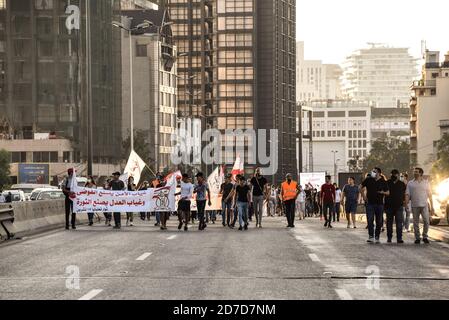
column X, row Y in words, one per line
column 120, row 25
column 335, row 164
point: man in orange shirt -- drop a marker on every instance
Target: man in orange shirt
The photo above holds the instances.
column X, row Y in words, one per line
column 289, row 193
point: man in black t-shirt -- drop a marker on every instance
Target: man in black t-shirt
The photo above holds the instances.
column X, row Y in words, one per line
column 117, row 185
column 242, row 195
column 374, row 190
column 394, row 206
column 259, row 189
column 226, row 200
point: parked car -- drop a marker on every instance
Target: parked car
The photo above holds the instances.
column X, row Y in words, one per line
column 80, row 181
column 17, row 195
column 46, row 194
column 27, row 188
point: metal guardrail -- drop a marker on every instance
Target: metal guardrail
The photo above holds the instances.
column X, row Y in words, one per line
column 7, row 228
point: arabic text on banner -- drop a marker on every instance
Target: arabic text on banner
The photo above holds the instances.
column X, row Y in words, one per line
column 153, row 200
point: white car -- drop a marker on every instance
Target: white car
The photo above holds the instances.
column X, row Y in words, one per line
column 27, row 188
column 46, row 194
column 17, row 195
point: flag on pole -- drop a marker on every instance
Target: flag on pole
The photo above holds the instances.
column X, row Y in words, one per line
column 134, row 167
column 238, row 168
column 215, row 180
column 73, row 185
column 171, row 178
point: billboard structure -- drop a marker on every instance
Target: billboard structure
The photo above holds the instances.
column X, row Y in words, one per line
column 36, row 173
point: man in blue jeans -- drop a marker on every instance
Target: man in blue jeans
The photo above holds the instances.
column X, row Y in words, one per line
column 226, row 202
column 374, row 190
column 242, row 197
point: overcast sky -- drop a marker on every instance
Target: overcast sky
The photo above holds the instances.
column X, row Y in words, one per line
column 332, row 29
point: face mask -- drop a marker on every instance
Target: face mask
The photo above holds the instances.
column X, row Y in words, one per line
column 374, row 174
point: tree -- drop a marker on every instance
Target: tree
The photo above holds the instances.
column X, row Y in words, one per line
column 141, row 146
column 441, row 165
column 5, row 159
column 389, row 154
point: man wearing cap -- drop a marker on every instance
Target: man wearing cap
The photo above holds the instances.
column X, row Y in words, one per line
column 66, row 183
column 289, row 193
column 117, row 185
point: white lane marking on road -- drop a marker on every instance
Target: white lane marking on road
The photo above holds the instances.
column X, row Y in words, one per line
column 343, row 294
column 171, row 237
column 144, row 256
column 314, row 257
column 91, row 294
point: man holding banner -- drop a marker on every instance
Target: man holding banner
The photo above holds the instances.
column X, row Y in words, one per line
column 117, row 185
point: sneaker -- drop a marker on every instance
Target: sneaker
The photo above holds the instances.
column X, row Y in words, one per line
column 116, row 227
column 377, row 241
column 325, row 224
column 370, row 240
column 400, row 241
column 246, row 226
column 186, row 228
column 389, row 240
column 260, row 226
column 157, row 224
column 417, row 241
column 131, row 224
column 355, row 227
column 67, row 228
column 426, row 241
column 180, row 226
column 240, row 228
column 73, row 228
column 349, row 226
column 109, row 224
column 330, row 226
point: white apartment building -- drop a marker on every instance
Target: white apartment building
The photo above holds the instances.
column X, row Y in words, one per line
column 380, row 74
column 315, row 80
column 340, row 128
column 429, row 108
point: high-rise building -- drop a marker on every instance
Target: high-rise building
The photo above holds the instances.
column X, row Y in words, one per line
column 380, row 74
column 429, row 108
column 43, row 78
column 240, row 69
column 154, row 84
column 316, row 80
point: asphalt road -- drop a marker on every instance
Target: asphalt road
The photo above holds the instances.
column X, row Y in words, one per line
column 142, row 262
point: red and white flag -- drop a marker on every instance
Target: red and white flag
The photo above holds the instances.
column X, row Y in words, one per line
column 215, row 180
column 238, row 168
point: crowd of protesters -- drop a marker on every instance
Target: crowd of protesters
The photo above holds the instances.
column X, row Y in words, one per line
column 245, row 200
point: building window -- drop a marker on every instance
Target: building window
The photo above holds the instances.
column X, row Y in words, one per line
column 18, row 157
column 141, row 50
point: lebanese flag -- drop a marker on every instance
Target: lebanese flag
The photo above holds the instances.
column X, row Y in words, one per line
column 238, row 168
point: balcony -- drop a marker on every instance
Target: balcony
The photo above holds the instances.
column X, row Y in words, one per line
column 421, row 84
column 444, row 124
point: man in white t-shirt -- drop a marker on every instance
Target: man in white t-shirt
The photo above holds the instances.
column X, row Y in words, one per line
column 337, row 203
column 184, row 203
column 419, row 192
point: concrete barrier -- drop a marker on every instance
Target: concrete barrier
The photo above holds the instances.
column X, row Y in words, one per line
column 37, row 216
